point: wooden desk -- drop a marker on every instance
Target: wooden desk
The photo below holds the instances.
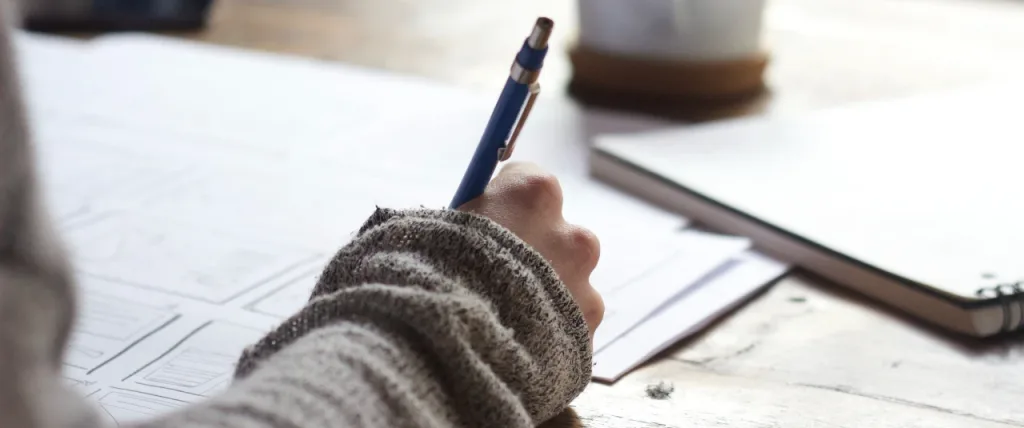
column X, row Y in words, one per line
column 804, row 354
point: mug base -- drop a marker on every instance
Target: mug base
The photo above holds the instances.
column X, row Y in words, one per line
column 678, row 89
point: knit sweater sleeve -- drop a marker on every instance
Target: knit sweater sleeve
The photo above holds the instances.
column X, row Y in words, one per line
column 428, row 318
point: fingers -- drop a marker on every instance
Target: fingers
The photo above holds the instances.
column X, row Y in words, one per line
column 582, row 247
column 539, row 193
column 582, row 252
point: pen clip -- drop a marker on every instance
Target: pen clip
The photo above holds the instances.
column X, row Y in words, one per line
column 506, row 152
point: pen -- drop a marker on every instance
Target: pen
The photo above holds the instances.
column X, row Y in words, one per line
column 508, row 116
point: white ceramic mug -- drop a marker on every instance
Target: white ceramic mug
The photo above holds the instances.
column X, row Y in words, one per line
column 688, row 30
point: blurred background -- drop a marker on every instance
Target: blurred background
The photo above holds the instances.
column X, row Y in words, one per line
column 821, row 52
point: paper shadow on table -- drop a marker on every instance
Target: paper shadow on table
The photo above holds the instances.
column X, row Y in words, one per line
column 710, row 328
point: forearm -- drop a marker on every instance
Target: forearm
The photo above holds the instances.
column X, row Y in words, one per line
column 429, row 318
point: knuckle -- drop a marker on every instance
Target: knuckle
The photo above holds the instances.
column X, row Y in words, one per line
column 542, row 185
column 539, row 189
column 586, row 246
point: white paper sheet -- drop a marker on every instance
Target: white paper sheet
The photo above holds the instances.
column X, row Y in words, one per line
column 139, row 352
column 199, row 210
column 109, row 325
column 287, row 294
column 689, row 312
column 644, row 273
column 50, row 72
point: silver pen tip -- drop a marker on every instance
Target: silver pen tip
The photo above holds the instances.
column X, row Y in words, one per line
column 541, row 32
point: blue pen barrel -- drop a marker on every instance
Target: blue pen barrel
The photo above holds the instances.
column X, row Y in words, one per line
column 500, row 126
column 485, row 159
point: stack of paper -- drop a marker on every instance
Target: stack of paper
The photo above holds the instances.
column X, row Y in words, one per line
column 202, row 189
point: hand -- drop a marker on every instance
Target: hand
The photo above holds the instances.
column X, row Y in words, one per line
column 528, row 201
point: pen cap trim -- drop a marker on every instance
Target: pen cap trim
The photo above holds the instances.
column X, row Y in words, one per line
column 523, row 75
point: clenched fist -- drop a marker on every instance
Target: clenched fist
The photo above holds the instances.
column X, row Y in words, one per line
column 528, row 201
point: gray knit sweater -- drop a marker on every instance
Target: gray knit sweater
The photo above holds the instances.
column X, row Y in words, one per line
column 427, row 319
